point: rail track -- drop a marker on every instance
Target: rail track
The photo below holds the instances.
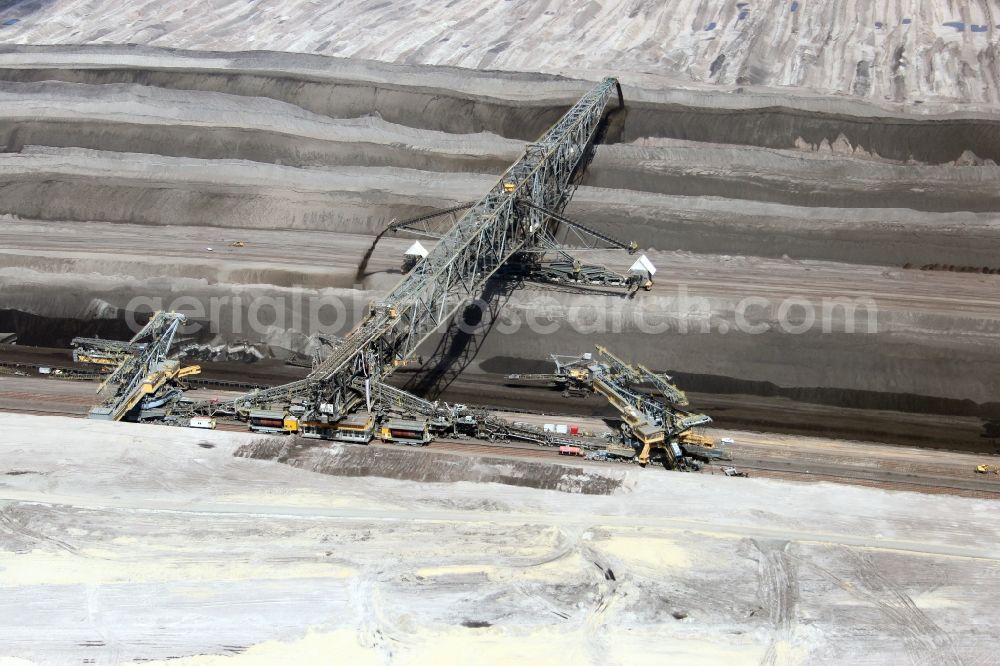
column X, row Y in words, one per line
column 821, row 471
column 30, row 396
column 41, row 412
column 78, row 373
column 797, row 465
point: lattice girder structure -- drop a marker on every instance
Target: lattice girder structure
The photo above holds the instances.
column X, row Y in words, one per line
column 457, row 268
column 121, row 391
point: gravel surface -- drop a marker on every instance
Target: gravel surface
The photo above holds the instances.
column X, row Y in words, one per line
column 124, row 543
column 904, row 52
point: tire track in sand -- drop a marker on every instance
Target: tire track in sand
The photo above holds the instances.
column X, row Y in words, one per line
column 779, row 594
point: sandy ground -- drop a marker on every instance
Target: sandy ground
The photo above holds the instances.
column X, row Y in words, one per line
column 98, row 556
column 907, row 52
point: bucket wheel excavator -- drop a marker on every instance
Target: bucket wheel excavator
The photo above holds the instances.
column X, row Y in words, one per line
column 653, row 421
column 518, row 226
column 143, row 379
column 518, row 217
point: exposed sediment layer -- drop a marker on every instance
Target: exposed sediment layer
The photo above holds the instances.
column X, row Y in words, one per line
column 431, row 467
column 881, row 236
column 836, row 177
column 523, row 106
column 278, row 155
column 162, row 121
column 79, row 184
column 143, row 119
column 909, row 51
column 127, row 187
column 842, row 200
column 874, row 330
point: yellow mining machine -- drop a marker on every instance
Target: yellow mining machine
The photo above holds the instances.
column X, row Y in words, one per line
column 144, row 379
column 650, row 405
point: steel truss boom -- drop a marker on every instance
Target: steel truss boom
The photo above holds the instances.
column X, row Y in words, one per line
column 143, row 368
column 590, row 238
column 420, row 225
column 457, row 268
column 584, row 232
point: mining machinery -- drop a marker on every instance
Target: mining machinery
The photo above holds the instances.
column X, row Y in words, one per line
column 571, row 374
column 457, row 420
column 96, row 351
column 144, row 379
column 516, row 218
column 548, row 260
column 519, row 227
column 650, row 405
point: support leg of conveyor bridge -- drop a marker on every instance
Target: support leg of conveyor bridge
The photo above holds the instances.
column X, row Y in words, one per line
column 492, row 230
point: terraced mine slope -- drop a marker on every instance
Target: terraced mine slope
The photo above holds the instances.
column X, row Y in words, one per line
column 128, row 173
column 906, row 51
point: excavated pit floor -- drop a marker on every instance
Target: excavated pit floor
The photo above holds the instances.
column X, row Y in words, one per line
column 430, row 467
column 122, row 543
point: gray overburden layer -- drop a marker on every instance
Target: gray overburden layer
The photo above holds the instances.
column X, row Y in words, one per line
column 735, row 196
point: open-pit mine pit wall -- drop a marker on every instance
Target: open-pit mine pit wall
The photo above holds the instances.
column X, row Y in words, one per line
column 745, row 195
